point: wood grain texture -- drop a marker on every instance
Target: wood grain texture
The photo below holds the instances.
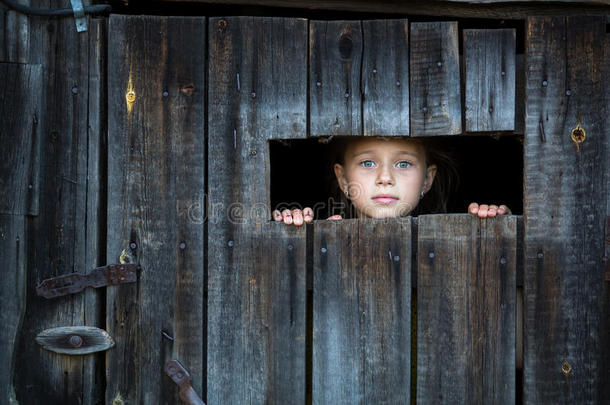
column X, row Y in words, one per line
column 385, row 77
column 489, row 59
column 604, row 366
column 60, row 239
column 12, row 294
column 258, row 91
column 466, row 305
column 156, row 171
column 258, row 81
column 335, row 63
column 14, row 35
column 20, row 109
column 498, row 9
column 257, row 304
column 436, row 107
column 362, row 312
column 564, row 211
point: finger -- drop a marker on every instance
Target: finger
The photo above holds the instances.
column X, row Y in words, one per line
column 287, row 216
column 308, row 214
column 297, row 217
column 277, row 216
column 483, row 210
column 493, row 209
column 503, row 210
column 335, row 218
column 473, row 208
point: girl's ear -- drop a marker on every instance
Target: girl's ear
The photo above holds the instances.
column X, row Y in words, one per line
column 430, row 174
column 340, row 175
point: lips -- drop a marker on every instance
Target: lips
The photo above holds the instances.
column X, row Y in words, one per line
column 385, row 199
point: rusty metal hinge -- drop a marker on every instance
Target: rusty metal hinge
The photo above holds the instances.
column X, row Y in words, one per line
column 182, row 378
column 99, row 277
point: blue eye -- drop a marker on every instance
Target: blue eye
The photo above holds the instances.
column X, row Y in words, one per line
column 367, row 164
column 403, row 165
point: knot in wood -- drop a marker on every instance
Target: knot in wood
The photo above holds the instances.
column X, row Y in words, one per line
column 222, row 25
column 188, row 89
column 578, row 134
column 566, row 368
column 130, row 96
column 346, row 46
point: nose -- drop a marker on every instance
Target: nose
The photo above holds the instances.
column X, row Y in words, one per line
column 384, row 176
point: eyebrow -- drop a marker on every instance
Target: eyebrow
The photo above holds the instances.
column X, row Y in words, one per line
column 402, row 152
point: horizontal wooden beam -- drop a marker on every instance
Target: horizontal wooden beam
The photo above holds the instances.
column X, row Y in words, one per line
column 454, row 8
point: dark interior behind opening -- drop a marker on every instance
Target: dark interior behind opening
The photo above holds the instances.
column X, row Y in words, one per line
column 490, row 171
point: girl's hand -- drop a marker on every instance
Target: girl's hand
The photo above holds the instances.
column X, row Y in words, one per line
column 295, row 217
column 485, row 210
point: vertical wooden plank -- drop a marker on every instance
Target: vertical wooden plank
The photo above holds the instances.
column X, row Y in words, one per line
column 565, row 208
column 436, row 107
column 604, row 366
column 362, row 312
column 12, row 294
column 466, row 294
column 256, row 341
column 335, row 59
column 155, row 203
column 14, row 35
column 58, row 238
column 20, row 105
column 20, row 98
column 489, row 59
column 258, row 76
column 385, row 77
column 519, row 94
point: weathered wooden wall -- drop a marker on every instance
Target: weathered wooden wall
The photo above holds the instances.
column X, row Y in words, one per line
column 156, row 174
column 565, row 210
column 262, row 313
column 60, row 107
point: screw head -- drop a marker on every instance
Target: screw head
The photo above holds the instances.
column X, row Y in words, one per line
column 230, row 243
column 165, row 94
column 75, row 341
column 545, row 83
column 133, row 245
column 74, row 90
column 182, row 245
column 323, row 250
column 568, row 92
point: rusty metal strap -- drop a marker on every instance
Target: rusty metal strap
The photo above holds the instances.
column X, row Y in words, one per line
column 176, row 371
column 112, row 274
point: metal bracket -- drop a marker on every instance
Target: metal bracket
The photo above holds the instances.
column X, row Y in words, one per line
column 182, row 378
column 99, row 277
column 79, row 15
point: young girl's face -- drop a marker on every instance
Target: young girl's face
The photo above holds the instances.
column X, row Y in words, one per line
column 384, row 178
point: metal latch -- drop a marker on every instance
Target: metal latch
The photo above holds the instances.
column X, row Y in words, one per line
column 112, row 274
column 75, row 340
column 79, row 15
column 182, row 378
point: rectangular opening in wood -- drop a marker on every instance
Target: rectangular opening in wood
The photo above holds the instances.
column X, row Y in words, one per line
column 487, row 170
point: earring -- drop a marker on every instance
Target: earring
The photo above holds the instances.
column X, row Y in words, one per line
column 346, row 191
column 421, row 194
